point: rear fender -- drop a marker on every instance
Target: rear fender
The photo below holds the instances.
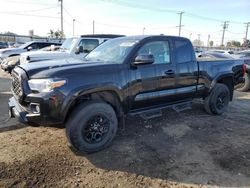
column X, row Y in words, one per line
column 226, row 78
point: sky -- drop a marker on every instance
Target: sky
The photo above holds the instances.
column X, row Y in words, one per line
column 129, row 17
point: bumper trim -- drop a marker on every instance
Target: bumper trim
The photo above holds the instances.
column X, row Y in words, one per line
column 16, row 111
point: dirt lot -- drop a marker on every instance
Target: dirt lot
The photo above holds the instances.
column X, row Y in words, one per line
column 187, row 149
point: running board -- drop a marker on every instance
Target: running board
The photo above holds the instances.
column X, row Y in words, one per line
column 182, row 106
column 157, row 112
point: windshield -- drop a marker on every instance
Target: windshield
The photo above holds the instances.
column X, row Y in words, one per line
column 68, row 44
column 23, row 46
column 114, row 50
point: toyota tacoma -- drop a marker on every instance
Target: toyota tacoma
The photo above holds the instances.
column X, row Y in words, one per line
column 123, row 76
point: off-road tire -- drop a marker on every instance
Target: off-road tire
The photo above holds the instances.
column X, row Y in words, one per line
column 218, row 99
column 79, row 121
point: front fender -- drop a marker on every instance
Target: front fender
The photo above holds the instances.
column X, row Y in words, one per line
column 84, row 90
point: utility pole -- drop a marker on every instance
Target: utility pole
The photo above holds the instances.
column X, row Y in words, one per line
column 247, row 29
column 74, row 27
column 143, row 30
column 190, row 36
column 225, row 26
column 199, row 39
column 180, row 23
column 93, row 27
column 61, row 17
column 208, row 39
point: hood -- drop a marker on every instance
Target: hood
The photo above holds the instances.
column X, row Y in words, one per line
column 47, row 69
column 43, row 55
column 12, row 50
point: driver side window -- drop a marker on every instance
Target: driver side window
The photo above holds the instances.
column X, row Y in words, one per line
column 159, row 49
column 89, row 44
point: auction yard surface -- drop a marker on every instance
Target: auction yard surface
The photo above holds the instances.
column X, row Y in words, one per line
column 186, row 149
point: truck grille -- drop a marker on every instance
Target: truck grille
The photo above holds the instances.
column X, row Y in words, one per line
column 16, row 85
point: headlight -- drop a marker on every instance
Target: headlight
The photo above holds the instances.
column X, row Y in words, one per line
column 45, row 85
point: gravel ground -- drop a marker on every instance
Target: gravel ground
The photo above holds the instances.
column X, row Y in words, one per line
column 186, row 149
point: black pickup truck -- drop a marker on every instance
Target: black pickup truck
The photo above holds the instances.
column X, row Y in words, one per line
column 127, row 75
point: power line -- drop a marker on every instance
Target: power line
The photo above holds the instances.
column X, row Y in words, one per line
column 209, row 18
column 235, row 33
column 113, row 25
column 167, row 27
column 137, row 6
column 26, row 2
column 133, row 5
column 30, row 15
column 36, row 10
column 68, row 13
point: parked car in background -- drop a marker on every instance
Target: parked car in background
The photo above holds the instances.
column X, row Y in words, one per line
column 212, row 54
column 198, row 51
column 229, row 52
column 3, row 45
column 245, row 85
column 76, row 47
column 11, row 45
column 243, row 54
column 10, row 62
column 34, row 45
column 51, row 48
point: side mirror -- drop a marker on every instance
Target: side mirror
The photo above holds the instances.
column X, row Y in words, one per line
column 79, row 50
column 29, row 48
column 144, row 59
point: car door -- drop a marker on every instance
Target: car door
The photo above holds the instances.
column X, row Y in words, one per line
column 150, row 79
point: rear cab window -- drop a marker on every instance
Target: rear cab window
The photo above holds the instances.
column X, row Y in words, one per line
column 183, row 51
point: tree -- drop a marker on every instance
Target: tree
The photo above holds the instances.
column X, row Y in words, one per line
column 198, row 42
column 229, row 44
column 55, row 34
column 51, row 33
column 235, row 43
column 211, row 43
column 246, row 43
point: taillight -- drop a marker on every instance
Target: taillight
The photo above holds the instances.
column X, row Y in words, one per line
column 244, row 68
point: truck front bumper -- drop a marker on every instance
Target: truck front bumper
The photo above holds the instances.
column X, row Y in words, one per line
column 26, row 116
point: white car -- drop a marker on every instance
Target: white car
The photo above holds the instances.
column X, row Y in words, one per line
column 29, row 46
column 75, row 47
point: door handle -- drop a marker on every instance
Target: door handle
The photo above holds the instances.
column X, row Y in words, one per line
column 169, row 72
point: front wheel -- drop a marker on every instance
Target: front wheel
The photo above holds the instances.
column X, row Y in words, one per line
column 218, row 99
column 91, row 127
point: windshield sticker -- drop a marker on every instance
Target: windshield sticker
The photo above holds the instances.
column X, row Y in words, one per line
column 127, row 44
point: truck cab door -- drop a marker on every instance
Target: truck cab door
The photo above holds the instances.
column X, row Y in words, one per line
column 148, row 80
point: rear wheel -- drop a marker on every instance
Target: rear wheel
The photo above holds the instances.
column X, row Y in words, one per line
column 217, row 101
column 91, row 127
